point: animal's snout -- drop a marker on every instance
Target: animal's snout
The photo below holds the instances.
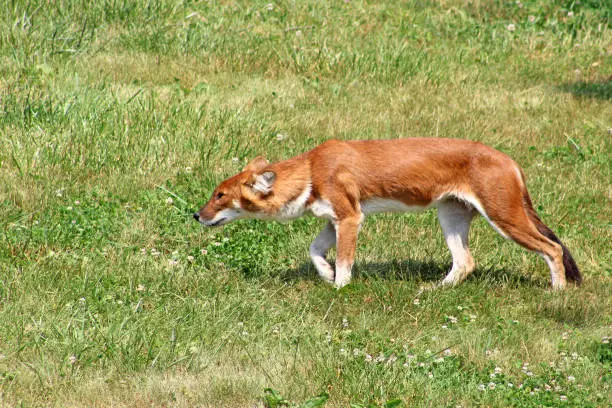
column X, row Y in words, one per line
column 196, row 215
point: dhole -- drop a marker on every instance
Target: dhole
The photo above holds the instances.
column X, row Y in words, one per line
column 343, row 181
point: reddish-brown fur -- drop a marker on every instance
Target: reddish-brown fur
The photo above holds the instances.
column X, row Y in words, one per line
column 416, row 172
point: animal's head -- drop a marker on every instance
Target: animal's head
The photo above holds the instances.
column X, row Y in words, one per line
column 244, row 195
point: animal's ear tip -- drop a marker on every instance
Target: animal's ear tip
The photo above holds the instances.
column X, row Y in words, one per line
column 257, row 163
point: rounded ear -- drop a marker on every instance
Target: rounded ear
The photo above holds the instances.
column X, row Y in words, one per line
column 257, row 164
column 264, row 182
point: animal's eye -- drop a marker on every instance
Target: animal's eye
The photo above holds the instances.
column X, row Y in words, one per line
column 219, row 195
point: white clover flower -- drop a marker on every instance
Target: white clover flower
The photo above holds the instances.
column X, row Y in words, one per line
column 563, row 398
column 511, row 27
column 452, row 319
column 531, row 19
column 498, row 370
column 448, row 352
column 416, row 302
column 491, row 385
column 188, row 170
column 275, row 330
column 481, row 387
column 141, row 288
column 571, row 378
column 203, row 251
column 270, row 7
column 280, row 137
column 69, row 208
column 356, row 352
column 510, row 385
column 172, row 262
column 72, row 359
column 430, row 375
column 345, row 323
column 235, row 160
column 190, row 258
column 368, row 358
column 570, row 14
column 169, row 201
column 77, row 202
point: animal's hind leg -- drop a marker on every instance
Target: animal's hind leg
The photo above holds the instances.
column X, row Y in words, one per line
column 517, row 226
column 455, row 218
column 319, row 248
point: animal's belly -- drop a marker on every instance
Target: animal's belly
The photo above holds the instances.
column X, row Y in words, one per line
column 377, row 205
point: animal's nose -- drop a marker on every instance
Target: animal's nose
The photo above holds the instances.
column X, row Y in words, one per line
column 196, row 216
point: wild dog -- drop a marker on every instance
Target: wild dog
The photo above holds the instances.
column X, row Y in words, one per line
column 343, row 181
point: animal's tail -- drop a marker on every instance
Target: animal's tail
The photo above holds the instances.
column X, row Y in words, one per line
column 572, row 273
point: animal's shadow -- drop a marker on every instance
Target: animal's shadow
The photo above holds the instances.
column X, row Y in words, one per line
column 582, row 89
column 418, row 271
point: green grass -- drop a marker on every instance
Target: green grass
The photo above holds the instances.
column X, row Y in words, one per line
column 110, row 293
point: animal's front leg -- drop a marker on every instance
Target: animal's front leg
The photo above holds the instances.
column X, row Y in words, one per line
column 347, row 230
column 319, row 248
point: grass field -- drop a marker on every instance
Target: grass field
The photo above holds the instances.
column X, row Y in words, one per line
column 119, row 117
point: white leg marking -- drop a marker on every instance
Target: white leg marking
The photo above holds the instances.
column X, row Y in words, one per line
column 557, row 277
column 343, row 275
column 343, row 266
column 455, row 220
column 319, row 248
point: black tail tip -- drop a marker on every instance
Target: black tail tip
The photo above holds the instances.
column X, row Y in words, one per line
column 572, row 273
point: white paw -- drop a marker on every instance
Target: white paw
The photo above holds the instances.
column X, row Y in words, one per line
column 341, row 281
column 328, row 278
